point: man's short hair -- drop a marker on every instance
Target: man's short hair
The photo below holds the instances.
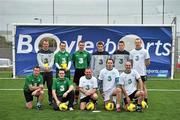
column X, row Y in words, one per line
column 62, row 42
column 100, row 43
column 121, row 42
column 110, row 59
column 81, row 41
column 36, row 67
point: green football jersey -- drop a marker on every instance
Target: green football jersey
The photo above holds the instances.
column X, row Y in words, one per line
column 32, row 80
column 61, row 85
column 62, row 57
column 81, row 59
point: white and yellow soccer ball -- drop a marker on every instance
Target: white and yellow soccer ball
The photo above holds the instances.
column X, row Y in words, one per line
column 109, row 106
column 90, row 106
column 144, row 104
column 131, row 107
column 63, row 106
column 64, row 66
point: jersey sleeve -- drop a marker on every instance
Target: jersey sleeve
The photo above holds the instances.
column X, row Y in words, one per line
column 147, row 56
column 117, row 77
column 80, row 82
column 100, row 75
column 95, row 83
column 137, row 74
column 70, row 82
column 130, row 55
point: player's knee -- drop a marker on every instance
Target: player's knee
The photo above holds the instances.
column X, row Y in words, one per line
column 118, row 90
column 95, row 96
column 41, row 92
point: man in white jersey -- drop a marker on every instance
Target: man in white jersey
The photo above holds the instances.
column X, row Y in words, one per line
column 140, row 59
column 87, row 87
column 108, row 83
column 129, row 80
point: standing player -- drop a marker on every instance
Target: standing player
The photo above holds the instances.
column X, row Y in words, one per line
column 62, row 60
column 98, row 59
column 34, row 87
column 81, row 60
column 87, row 87
column 108, row 83
column 140, row 60
column 62, row 91
column 45, row 58
column 129, row 80
column 120, row 57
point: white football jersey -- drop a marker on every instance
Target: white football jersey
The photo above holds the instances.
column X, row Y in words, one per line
column 87, row 84
column 129, row 81
column 109, row 78
column 138, row 57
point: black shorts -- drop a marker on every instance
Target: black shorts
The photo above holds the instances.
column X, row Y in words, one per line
column 144, row 78
column 85, row 99
column 28, row 96
column 77, row 75
column 132, row 97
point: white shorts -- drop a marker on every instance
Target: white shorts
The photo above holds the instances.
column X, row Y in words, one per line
column 108, row 94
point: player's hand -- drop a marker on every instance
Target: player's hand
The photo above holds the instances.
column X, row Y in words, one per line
column 46, row 69
column 128, row 100
column 65, row 94
column 58, row 102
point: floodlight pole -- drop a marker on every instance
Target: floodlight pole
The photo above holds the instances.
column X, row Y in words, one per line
column 163, row 12
column 107, row 11
column 53, row 11
column 142, row 11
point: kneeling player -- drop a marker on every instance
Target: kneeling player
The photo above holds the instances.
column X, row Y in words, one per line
column 108, row 83
column 34, row 87
column 87, row 88
column 62, row 91
column 129, row 80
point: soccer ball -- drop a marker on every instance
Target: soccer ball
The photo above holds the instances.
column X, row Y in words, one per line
column 63, row 107
column 144, row 104
column 64, row 66
column 131, row 107
column 90, row 106
column 109, row 106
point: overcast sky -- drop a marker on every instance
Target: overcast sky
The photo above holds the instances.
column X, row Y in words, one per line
column 87, row 12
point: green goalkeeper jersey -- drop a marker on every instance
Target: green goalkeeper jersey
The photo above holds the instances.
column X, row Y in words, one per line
column 61, row 85
column 32, row 80
column 81, row 59
column 62, row 58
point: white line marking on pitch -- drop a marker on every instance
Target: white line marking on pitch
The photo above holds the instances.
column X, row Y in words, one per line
column 157, row 90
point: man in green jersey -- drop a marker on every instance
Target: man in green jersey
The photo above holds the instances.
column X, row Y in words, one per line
column 62, row 91
column 81, row 60
column 34, row 87
column 63, row 60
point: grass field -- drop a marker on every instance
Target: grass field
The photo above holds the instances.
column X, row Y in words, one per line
column 164, row 104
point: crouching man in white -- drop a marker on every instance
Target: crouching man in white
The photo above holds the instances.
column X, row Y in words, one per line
column 108, row 83
column 87, row 87
column 129, row 80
